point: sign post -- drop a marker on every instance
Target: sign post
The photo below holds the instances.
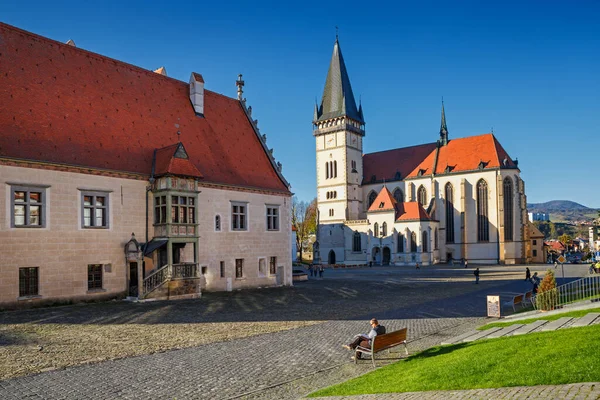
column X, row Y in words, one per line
column 493, row 306
column 561, row 259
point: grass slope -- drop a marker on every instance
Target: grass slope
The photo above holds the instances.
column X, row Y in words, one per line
column 572, row 314
column 546, row 358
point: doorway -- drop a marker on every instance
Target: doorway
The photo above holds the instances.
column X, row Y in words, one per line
column 133, row 279
column 386, row 255
column 331, row 258
column 449, row 258
column 376, row 253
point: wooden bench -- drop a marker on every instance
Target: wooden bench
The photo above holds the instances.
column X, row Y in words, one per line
column 528, row 299
column 383, row 342
column 518, row 299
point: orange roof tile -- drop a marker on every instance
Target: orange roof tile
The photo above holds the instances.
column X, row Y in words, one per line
column 63, row 104
column 465, row 154
column 384, row 201
column 411, row 211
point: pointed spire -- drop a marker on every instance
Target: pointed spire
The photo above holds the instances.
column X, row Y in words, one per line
column 316, row 114
column 443, row 127
column 338, row 99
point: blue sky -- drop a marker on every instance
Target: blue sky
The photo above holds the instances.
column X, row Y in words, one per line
column 528, row 69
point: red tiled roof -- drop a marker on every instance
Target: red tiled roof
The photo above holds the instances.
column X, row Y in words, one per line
column 167, row 163
column 412, row 210
column 384, row 201
column 465, row 154
column 62, row 104
column 385, row 164
column 555, row 245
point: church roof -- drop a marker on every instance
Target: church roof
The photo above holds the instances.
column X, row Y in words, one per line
column 384, row 201
column 173, row 160
column 393, row 165
column 465, row 154
column 62, row 104
column 338, row 99
column 411, row 211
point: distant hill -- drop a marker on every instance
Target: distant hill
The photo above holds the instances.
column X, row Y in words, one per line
column 564, row 210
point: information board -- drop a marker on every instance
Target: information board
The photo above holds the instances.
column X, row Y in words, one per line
column 493, row 306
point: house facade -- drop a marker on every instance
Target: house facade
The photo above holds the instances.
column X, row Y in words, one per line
column 430, row 203
column 119, row 181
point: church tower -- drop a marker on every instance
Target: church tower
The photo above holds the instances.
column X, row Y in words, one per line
column 338, row 128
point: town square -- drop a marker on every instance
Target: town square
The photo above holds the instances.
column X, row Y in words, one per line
column 221, row 201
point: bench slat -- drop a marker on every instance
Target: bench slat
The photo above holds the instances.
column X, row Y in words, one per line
column 388, row 340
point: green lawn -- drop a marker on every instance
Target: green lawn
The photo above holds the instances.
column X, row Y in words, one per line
column 574, row 314
column 545, row 358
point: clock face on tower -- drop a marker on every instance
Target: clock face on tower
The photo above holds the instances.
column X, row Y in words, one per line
column 330, row 141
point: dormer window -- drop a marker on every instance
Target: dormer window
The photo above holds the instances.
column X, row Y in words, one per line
column 382, row 204
column 482, row 165
column 397, row 176
column 448, row 169
column 373, row 178
column 421, row 172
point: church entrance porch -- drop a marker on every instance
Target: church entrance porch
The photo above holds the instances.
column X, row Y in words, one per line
column 386, row 255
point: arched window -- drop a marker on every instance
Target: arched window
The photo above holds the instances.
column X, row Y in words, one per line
column 400, row 245
column 217, row 223
column 435, row 240
column 335, row 169
column 422, row 196
column 372, row 197
column 376, row 230
column 449, row 192
column 413, row 242
column 356, row 242
column 384, row 229
column 425, row 246
column 326, row 170
column 508, row 209
column 398, row 195
column 483, row 224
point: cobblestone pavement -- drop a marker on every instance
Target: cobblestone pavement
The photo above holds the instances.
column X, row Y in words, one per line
column 434, row 304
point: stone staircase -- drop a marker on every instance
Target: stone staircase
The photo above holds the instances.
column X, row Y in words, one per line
column 522, row 329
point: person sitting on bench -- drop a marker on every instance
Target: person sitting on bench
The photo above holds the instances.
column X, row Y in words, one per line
column 365, row 340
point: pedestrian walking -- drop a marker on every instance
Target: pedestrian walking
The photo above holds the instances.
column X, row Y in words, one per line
column 310, row 269
column 321, row 269
column 527, row 274
column 466, row 263
column 535, row 280
column 476, row 273
column 418, row 267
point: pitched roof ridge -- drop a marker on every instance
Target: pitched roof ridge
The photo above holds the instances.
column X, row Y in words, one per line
column 400, row 148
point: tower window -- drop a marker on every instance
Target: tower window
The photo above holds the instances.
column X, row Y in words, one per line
column 508, row 209
column 422, row 196
column 483, row 224
column 449, row 213
column 398, row 195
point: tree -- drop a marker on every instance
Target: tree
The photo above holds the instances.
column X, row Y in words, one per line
column 304, row 219
column 565, row 239
column 547, row 295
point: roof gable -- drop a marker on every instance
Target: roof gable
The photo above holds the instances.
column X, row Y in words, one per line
column 383, row 202
column 393, row 165
column 65, row 105
column 173, row 160
column 411, row 211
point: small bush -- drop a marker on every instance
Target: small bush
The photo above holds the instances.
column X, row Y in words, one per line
column 547, row 295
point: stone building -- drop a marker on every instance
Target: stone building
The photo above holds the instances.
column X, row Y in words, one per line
column 93, row 149
column 429, row 203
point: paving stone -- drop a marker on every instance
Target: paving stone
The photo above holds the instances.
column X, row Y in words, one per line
column 461, row 338
column 506, row 331
column 556, row 324
column 586, row 320
column 529, row 327
column 481, row 334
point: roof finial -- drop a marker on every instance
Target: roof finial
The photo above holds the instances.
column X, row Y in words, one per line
column 240, row 84
column 178, row 131
column 336, row 33
column 492, row 130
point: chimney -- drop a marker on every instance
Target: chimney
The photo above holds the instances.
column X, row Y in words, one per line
column 197, row 92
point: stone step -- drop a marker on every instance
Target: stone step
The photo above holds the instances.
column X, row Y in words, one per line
column 481, row 334
column 506, row 331
column 459, row 338
column 556, row 324
column 529, row 327
column 586, row 320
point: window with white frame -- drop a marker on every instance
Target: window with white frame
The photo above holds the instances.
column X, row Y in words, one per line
column 94, row 209
column 239, row 268
column 94, row 276
column 28, row 207
column 239, row 216
column 272, row 218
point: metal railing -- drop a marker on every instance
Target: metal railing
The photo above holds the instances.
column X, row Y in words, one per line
column 185, row 270
column 587, row 288
column 156, row 279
